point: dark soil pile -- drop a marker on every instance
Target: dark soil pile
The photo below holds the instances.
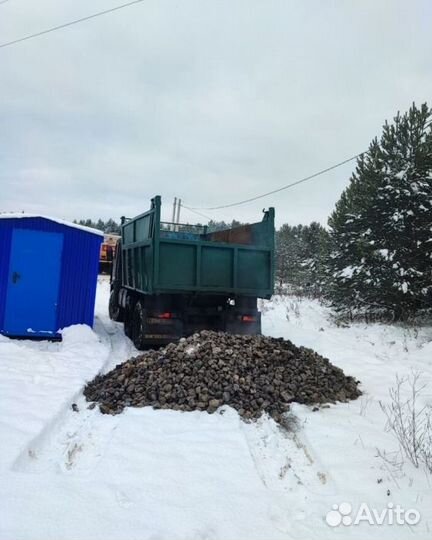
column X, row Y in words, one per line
column 253, row 374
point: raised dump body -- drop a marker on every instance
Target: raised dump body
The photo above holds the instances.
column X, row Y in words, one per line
column 182, row 278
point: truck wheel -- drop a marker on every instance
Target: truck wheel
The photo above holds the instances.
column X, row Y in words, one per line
column 138, row 326
column 116, row 313
column 128, row 317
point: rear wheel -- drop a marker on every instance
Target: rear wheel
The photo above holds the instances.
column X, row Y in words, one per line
column 116, row 312
column 128, row 316
column 138, row 326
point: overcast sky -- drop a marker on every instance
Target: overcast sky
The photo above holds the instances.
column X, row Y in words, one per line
column 210, row 101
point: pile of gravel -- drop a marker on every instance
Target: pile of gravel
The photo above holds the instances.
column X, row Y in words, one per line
column 253, row 374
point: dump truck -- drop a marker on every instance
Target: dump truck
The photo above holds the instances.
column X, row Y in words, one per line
column 171, row 280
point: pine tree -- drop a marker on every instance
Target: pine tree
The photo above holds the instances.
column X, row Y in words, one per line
column 112, row 226
column 284, row 257
column 109, row 226
column 381, row 229
column 316, row 242
column 301, row 252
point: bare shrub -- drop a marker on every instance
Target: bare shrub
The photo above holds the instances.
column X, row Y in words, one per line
column 394, row 463
column 293, row 308
column 410, row 422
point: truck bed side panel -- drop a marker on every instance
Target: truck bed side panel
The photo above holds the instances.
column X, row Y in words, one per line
column 212, row 267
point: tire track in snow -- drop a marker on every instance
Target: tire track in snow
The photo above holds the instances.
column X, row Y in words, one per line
column 289, row 470
column 283, row 460
column 76, row 441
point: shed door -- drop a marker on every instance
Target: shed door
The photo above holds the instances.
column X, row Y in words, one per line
column 34, row 277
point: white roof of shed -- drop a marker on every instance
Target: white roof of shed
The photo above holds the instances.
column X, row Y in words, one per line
column 18, row 215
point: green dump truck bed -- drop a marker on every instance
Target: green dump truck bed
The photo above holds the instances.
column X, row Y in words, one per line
column 168, row 258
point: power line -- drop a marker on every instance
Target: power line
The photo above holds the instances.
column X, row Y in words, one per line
column 195, row 212
column 307, row 178
column 70, row 23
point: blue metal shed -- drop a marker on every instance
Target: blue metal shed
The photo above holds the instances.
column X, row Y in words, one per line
column 48, row 275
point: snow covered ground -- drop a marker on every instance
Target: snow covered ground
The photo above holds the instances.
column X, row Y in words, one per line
column 149, row 474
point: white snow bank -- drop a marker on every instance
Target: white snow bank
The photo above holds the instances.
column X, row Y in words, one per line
column 79, row 334
column 38, row 380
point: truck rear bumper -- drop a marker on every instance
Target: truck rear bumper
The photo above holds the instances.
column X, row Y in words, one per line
column 157, row 321
column 165, row 331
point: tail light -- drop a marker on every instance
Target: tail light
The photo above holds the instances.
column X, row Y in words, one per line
column 165, row 315
column 248, row 318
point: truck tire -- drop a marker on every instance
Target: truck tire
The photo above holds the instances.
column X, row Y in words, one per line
column 138, row 325
column 116, row 312
column 128, row 316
